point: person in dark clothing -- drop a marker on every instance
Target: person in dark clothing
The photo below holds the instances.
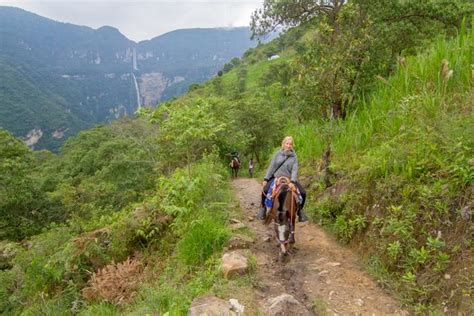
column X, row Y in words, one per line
column 284, row 163
column 235, row 154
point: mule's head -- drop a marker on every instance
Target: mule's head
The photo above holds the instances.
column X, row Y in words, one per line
column 282, row 205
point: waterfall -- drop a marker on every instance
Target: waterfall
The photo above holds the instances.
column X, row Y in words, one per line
column 137, row 91
column 135, row 59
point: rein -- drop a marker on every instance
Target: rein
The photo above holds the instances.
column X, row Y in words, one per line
column 292, row 207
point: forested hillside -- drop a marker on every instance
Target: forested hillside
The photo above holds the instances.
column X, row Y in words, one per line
column 132, row 217
column 58, row 78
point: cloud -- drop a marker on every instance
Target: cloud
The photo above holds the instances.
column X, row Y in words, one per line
column 143, row 19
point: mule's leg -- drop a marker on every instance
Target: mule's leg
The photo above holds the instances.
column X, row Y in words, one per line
column 292, row 235
column 283, row 253
column 292, row 238
column 281, row 256
column 281, row 232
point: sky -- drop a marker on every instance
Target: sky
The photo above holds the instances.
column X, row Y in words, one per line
column 143, row 19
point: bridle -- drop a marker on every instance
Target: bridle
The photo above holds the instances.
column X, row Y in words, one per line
column 292, row 207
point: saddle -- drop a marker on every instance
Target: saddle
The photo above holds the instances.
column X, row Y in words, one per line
column 273, row 193
column 278, row 183
column 234, row 163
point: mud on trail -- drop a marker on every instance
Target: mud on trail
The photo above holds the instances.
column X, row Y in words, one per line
column 321, row 272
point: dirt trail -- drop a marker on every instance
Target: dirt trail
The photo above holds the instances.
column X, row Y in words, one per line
column 321, row 272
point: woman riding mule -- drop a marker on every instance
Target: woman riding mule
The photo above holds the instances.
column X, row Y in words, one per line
column 284, row 163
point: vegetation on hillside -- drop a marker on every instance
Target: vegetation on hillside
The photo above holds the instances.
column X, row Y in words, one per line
column 62, row 78
column 401, row 175
column 383, row 130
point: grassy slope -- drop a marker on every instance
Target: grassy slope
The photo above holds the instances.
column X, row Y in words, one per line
column 174, row 239
column 402, row 171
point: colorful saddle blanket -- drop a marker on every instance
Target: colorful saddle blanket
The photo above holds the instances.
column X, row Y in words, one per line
column 272, row 188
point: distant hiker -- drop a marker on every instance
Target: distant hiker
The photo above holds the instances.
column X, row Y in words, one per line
column 235, row 154
column 284, row 163
column 251, row 167
column 234, row 163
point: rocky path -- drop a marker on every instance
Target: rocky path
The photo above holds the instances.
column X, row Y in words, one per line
column 322, row 275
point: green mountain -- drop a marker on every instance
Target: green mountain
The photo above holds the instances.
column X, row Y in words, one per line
column 59, row 78
column 384, row 138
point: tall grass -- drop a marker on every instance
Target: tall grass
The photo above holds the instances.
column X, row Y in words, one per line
column 404, row 157
column 414, row 95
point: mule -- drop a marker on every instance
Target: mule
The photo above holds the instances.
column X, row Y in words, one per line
column 283, row 213
column 234, row 167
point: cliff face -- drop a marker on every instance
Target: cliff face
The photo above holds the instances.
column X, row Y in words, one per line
column 151, row 88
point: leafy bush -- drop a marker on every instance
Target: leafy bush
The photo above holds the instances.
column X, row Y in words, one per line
column 115, row 283
column 21, row 202
column 203, row 239
column 101, row 170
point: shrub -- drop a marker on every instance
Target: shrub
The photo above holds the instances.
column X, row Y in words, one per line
column 115, row 283
column 205, row 237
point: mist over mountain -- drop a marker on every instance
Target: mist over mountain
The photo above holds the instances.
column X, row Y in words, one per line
column 58, row 78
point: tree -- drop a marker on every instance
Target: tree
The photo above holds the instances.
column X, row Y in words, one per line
column 354, row 42
column 101, row 169
column 332, row 67
column 239, row 88
column 196, row 86
column 189, row 131
column 406, row 25
column 278, row 71
column 258, row 118
column 217, row 85
column 289, row 13
column 234, row 62
column 19, row 200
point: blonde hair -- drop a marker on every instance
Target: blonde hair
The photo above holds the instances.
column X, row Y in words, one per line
column 285, row 140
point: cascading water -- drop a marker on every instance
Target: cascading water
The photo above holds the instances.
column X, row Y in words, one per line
column 134, row 67
column 137, row 91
